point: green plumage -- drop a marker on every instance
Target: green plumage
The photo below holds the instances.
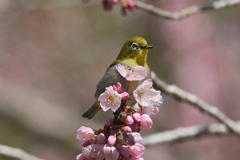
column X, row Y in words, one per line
column 133, row 53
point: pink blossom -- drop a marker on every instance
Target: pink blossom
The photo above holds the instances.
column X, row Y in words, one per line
column 109, row 122
column 110, row 99
column 97, row 151
column 110, row 153
column 135, row 127
column 125, row 95
column 119, row 146
column 151, row 111
column 101, row 138
column 126, row 129
column 86, row 153
column 85, row 133
column 146, row 95
column 130, row 139
column 118, row 87
column 146, row 122
column 129, row 120
column 111, row 140
column 125, row 151
column 82, row 156
column 137, row 150
column 137, row 137
column 132, row 74
column 137, row 116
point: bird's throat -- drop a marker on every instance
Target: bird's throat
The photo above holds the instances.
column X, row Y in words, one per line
column 141, row 58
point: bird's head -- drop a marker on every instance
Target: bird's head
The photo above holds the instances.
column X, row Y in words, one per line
column 135, row 48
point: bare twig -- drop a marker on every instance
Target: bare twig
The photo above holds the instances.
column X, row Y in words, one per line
column 16, row 153
column 195, row 101
column 186, row 133
column 187, row 11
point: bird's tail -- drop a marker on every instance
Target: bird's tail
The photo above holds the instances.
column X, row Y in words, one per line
column 92, row 110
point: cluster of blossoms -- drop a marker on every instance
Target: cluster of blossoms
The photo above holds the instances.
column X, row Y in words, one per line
column 119, row 139
column 126, row 4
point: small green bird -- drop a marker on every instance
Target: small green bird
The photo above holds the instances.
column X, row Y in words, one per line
column 133, row 53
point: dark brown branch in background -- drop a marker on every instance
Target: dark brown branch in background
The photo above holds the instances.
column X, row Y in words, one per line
column 16, row 153
column 182, row 95
column 186, row 11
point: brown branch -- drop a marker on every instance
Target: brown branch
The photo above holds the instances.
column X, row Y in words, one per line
column 16, row 153
column 186, row 11
column 182, row 95
column 186, row 133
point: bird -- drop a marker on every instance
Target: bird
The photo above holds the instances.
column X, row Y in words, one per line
column 133, row 53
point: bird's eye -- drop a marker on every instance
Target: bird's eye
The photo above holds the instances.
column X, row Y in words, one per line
column 134, row 46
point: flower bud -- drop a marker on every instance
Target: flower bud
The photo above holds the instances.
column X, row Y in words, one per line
column 125, row 95
column 101, row 138
column 135, row 127
column 125, row 151
column 137, row 149
column 129, row 120
column 109, row 122
column 111, row 140
column 146, row 122
column 85, row 133
column 137, row 116
column 126, row 129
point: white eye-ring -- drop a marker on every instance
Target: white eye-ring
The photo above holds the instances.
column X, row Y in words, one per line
column 134, row 46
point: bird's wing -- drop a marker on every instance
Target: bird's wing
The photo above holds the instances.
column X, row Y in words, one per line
column 111, row 77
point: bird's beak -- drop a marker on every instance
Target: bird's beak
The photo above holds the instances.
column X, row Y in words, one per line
column 147, row 47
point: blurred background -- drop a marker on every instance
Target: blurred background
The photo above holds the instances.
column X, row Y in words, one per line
column 53, row 53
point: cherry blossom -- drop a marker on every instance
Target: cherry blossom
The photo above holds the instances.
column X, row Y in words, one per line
column 132, row 74
column 110, row 99
column 85, row 133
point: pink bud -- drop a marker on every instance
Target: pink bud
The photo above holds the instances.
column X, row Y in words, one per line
column 125, row 95
column 111, row 140
column 101, row 138
column 114, row 88
column 85, row 133
column 118, row 147
column 130, row 140
column 137, row 137
column 137, row 149
column 109, row 122
column 129, row 120
column 82, row 156
column 97, row 151
column 126, row 129
column 110, row 153
column 146, row 122
column 137, row 116
column 125, row 151
column 118, row 88
column 135, row 127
